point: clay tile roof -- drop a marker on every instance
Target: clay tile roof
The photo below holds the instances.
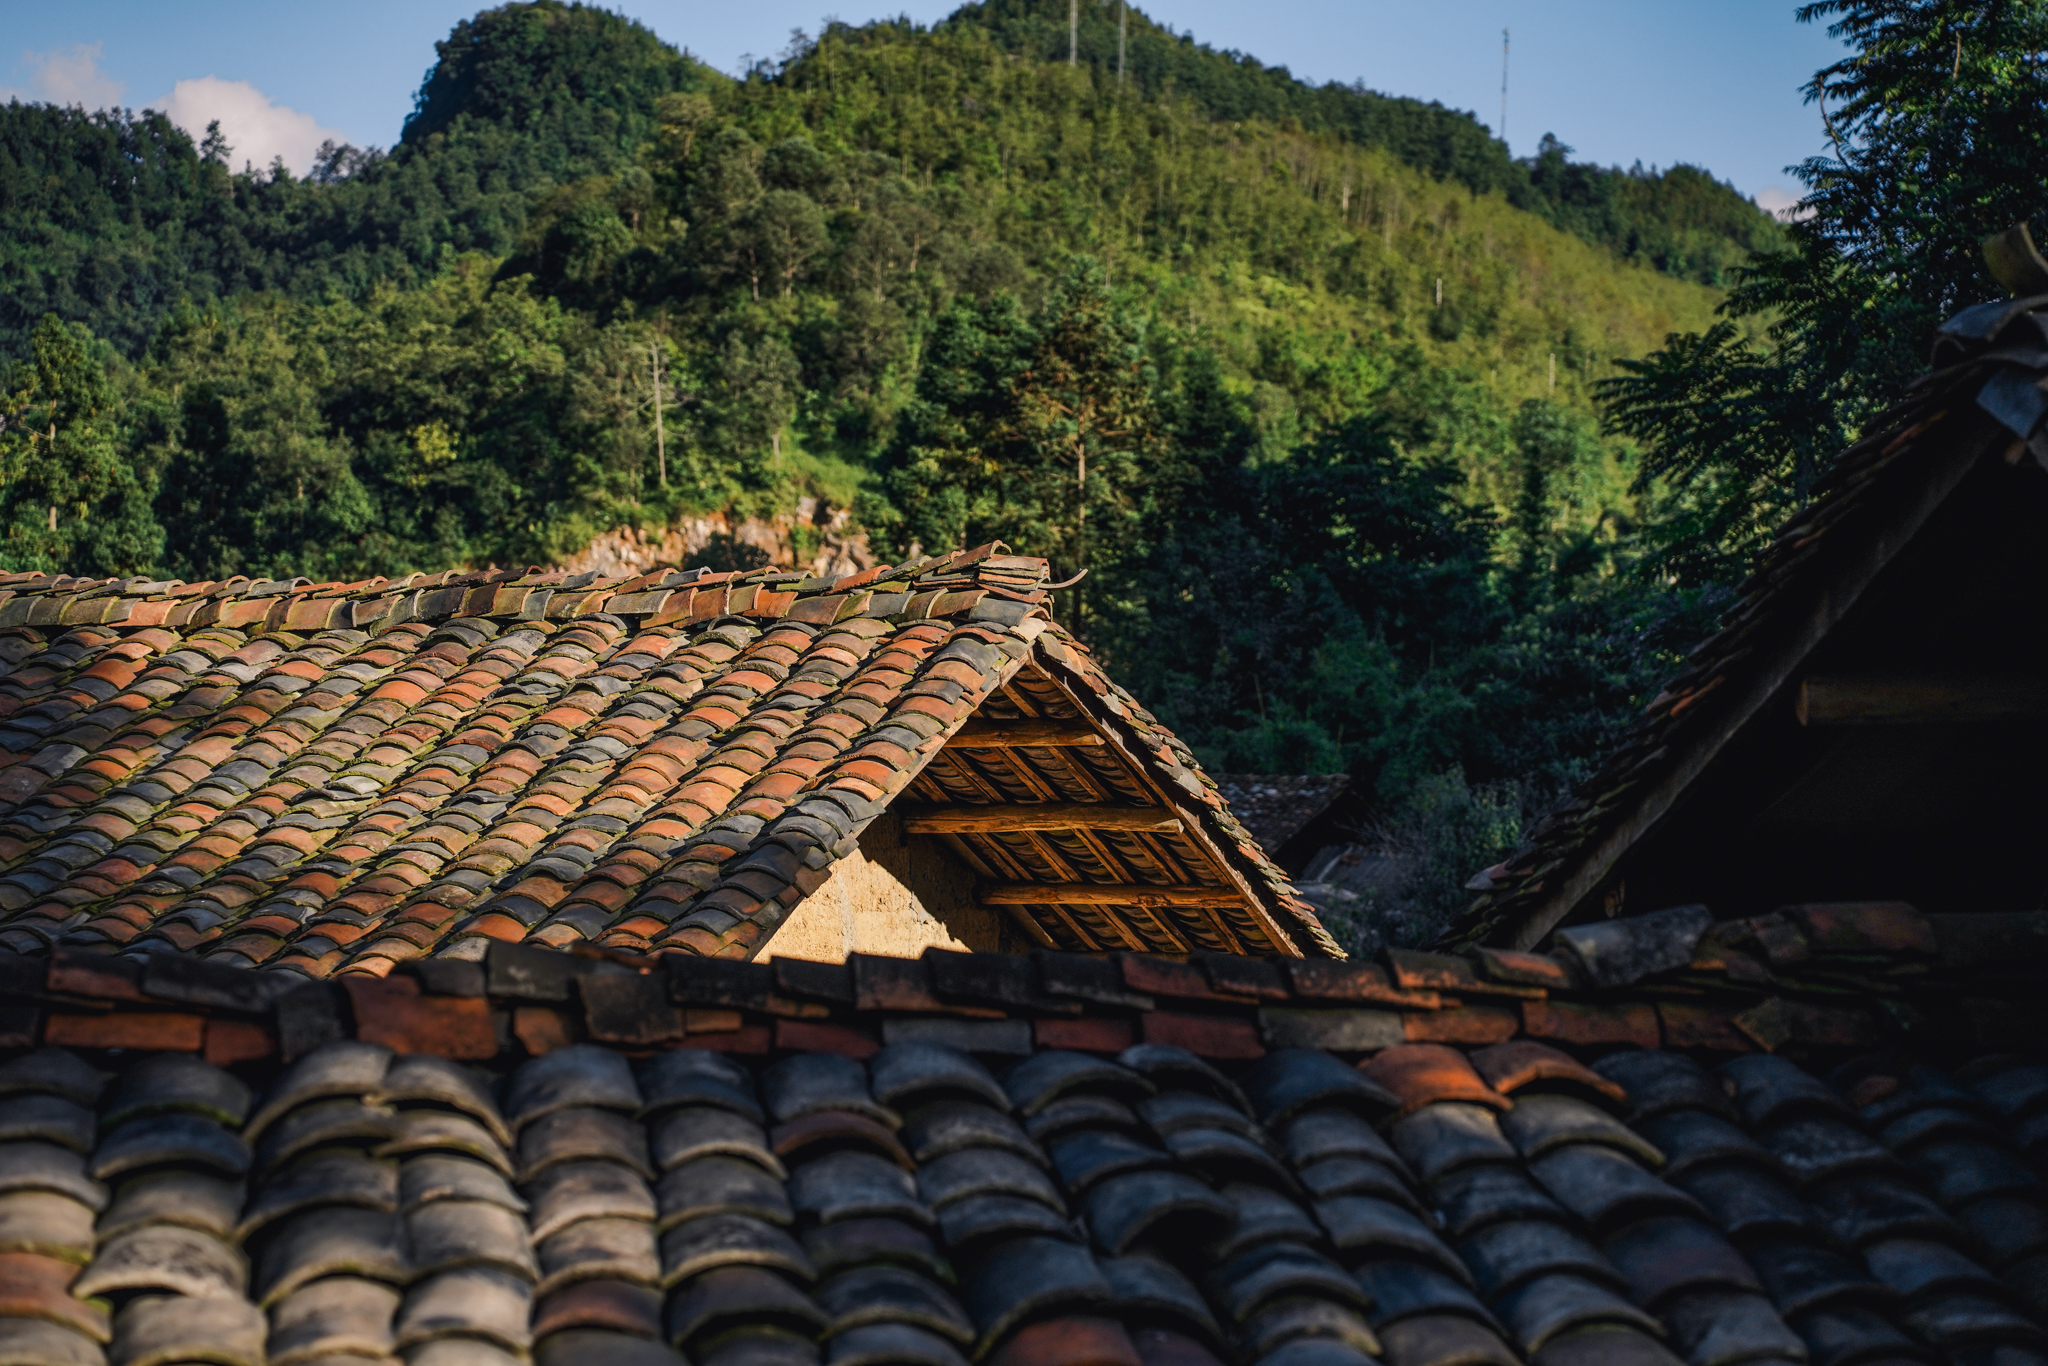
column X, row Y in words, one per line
column 339, row 778
column 604, row 1157
column 1980, row 404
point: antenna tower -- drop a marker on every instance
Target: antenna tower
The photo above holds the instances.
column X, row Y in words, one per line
column 1503, row 85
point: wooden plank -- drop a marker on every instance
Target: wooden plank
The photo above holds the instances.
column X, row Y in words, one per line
column 997, row 820
column 1103, row 894
column 1022, row 733
column 1919, row 699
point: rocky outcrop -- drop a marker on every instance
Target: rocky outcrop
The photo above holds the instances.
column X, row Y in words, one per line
column 817, row 538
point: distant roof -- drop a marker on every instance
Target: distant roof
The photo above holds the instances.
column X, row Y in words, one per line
column 1276, row 807
column 342, row 777
column 1969, row 419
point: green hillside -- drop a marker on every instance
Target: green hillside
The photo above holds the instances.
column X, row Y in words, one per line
column 1326, row 356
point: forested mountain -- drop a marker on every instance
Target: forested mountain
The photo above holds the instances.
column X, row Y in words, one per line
column 1326, row 356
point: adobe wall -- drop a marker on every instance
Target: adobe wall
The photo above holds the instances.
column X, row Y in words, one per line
column 893, row 895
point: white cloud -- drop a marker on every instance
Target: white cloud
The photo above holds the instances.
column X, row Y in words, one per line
column 258, row 128
column 67, row 76
column 1782, row 204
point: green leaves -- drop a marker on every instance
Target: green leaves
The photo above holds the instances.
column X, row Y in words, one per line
column 71, row 499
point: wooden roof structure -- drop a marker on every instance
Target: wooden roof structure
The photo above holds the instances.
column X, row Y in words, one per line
column 1872, row 719
column 338, row 778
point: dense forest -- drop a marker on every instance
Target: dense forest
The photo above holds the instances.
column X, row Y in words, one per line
column 1334, row 365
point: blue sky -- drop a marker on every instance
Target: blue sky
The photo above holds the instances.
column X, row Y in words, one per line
column 1660, row 81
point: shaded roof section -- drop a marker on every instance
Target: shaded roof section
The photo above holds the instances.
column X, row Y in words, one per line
column 342, row 777
column 1910, row 576
column 1665, row 1143
column 1278, row 807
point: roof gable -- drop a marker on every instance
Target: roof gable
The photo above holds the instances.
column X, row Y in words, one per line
column 1914, row 515
column 343, row 777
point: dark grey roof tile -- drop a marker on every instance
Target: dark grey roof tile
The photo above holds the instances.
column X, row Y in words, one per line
column 450, row 1176
column 1917, row 1268
column 1289, row 1080
column 1474, row 1197
column 1770, row 1088
column 439, row 1131
column 598, row 1249
column 984, row 1217
column 45, row 1167
column 1291, row 1319
column 46, row 1119
column 165, row 1083
column 325, row 1124
column 1688, row 1138
column 1071, row 1112
column 47, row 1224
column 2008, row 1227
column 1659, row 1082
column 1669, row 1254
column 1219, row 1156
column 688, row 1132
column 738, row 1297
column 584, row 1076
column 582, row 1133
column 422, row 1079
column 1504, row 1256
column 1849, row 1334
column 698, row 1077
column 1263, row 1216
column 1801, row 1276
column 1172, row 1068
column 892, row 1344
column 1748, row 1203
column 1028, row 1277
column 175, row 1195
column 1543, row 1308
column 1863, row 1209
column 1316, row 1134
column 1965, row 1169
column 1315, row 1352
column 1439, row 1139
column 931, row 1131
column 1166, row 1205
column 1171, row 1111
column 1916, row 1128
column 892, row 1294
column 1818, row 1148
column 2018, row 1089
column 1445, row 1340
column 1045, row 1077
column 159, row 1140
column 868, row 1242
column 1401, row 1289
column 225, row 1330
column 449, row 1234
column 52, row 1072
column 335, row 1176
column 601, row 1347
column 1089, row 1156
column 905, row 1073
column 760, row 1347
column 1151, row 1290
column 1250, row 1281
column 472, row 1303
column 1363, row 1228
column 1539, row 1123
column 984, row 1171
column 1604, row 1345
column 1956, row 1320
column 35, row 1342
column 1724, row 1327
column 1335, row 1176
column 571, row 1191
column 329, row 1242
column 707, row 1185
column 335, row 1316
column 853, row 1185
column 1605, row 1187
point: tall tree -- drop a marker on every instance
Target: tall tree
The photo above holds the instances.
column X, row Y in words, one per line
column 1938, row 128
column 71, row 499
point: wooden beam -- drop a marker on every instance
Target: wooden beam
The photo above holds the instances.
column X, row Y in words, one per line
column 1919, row 699
column 1103, row 894
column 996, row 820
column 1024, row 733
